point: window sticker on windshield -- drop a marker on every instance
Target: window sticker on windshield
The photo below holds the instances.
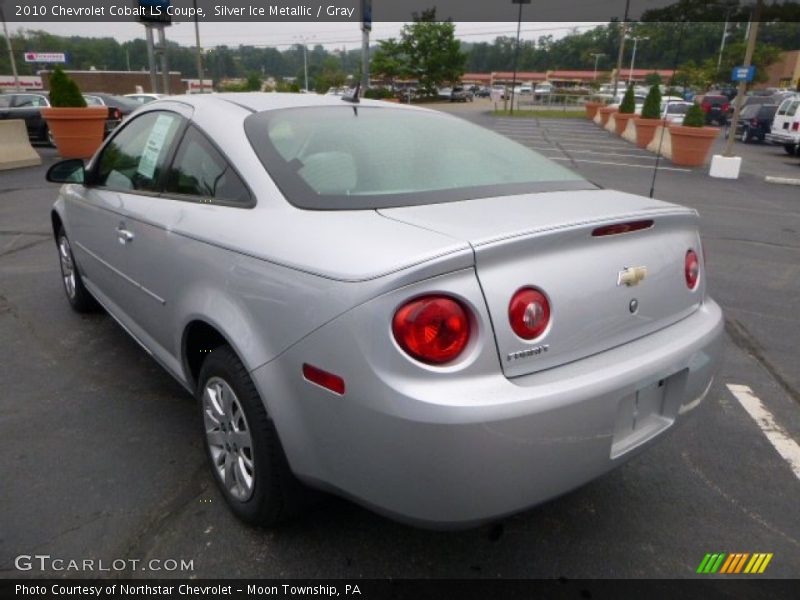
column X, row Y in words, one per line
column 153, row 146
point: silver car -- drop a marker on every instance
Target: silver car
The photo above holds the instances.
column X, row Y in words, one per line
column 363, row 304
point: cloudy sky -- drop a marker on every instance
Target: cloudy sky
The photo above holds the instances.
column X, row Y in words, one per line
column 283, row 35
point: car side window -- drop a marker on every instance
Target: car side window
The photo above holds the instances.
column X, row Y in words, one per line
column 200, row 172
column 5, row 101
column 136, row 157
column 29, row 101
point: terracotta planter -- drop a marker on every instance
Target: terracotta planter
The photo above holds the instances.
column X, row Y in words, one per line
column 605, row 112
column 621, row 120
column 397, row 100
column 691, row 145
column 591, row 109
column 646, row 129
column 78, row 132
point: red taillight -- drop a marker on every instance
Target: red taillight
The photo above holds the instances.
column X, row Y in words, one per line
column 529, row 313
column 618, row 228
column 706, row 106
column 795, row 125
column 725, row 107
column 322, row 378
column 754, row 122
column 117, row 114
column 432, row 329
column 691, row 269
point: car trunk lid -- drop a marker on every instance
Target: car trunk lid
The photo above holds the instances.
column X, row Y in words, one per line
column 546, row 241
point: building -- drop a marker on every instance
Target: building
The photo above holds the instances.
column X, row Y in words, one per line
column 28, row 83
column 118, row 82
column 785, row 73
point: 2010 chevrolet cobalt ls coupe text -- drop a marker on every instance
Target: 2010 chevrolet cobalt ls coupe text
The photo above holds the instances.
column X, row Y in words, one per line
column 444, row 332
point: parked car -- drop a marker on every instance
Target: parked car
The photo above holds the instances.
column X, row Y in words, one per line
column 27, row 106
column 483, row 92
column 119, row 107
column 616, row 101
column 674, row 111
column 443, row 332
column 144, row 98
column 785, row 129
column 755, row 122
column 715, row 108
column 459, row 94
column 444, row 93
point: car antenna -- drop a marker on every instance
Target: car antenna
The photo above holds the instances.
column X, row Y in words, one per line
column 354, row 98
column 663, row 126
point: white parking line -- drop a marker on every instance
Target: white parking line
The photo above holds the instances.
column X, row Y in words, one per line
column 776, row 435
column 615, row 164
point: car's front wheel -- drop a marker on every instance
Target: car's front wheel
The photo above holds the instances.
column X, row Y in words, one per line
column 78, row 296
column 745, row 135
column 241, row 442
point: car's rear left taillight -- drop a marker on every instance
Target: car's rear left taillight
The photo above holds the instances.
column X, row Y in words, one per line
column 795, row 125
column 691, row 269
column 706, row 106
column 433, row 329
column 117, row 114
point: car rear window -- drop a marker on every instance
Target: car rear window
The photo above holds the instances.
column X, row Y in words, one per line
column 358, row 157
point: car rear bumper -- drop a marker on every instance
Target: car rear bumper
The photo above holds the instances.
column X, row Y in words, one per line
column 777, row 137
column 450, row 458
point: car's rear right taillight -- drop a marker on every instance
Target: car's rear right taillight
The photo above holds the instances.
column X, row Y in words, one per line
column 433, row 329
column 691, row 269
column 529, row 313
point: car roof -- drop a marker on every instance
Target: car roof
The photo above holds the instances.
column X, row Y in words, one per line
column 264, row 101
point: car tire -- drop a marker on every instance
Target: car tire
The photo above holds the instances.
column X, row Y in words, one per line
column 242, row 445
column 80, row 299
column 745, row 137
column 790, row 149
column 48, row 137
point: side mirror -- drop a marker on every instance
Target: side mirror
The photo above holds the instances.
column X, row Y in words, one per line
column 67, row 171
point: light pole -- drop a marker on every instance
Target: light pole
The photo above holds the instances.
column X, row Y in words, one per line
column 10, row 50
column 633, row 56
column 597, row 56
column 304, row 39
column 516, row 51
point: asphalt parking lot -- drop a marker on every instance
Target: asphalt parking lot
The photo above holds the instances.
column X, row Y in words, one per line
column 103, row 455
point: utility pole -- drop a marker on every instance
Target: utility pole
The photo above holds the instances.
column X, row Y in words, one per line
column 748, row 58
column 199, row 48
column 623, row 33
column 162, row 43
column 17, row 86
column 516, row 52
column 722, row 43
column 304, row 39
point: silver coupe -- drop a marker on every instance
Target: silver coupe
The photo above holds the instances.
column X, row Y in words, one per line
column 364, row 303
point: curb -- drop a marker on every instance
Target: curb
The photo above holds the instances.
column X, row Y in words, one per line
column 782, row 180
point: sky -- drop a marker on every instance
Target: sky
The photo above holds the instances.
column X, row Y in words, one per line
column 284, row 35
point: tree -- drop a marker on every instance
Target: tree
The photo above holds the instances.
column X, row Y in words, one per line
column 652, row 103
column 694, row 117
column 628, row 104
column 652, row 79
column 389, row 61
column 433, row 52
column 64, row 92
column 253, row 82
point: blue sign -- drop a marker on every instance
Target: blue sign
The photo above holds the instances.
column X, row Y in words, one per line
column 743, row 73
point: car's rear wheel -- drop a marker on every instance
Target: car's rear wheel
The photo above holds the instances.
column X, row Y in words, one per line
column 745, row 135
column 241, row 442
column 78, row 296
column 790, row 149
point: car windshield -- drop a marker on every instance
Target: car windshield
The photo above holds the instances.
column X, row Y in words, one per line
column 677, row 109
column 356, row 157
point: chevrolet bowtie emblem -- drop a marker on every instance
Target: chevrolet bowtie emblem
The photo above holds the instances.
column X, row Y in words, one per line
column 631, row 276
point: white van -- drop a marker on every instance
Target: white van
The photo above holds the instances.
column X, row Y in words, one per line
column 786, row 126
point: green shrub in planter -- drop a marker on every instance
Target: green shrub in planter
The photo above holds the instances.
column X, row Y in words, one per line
column 695, row 117
column 652, row 104
column 628, row 105
column 64, row 92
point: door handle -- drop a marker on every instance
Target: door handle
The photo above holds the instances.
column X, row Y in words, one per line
column 124, row 235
